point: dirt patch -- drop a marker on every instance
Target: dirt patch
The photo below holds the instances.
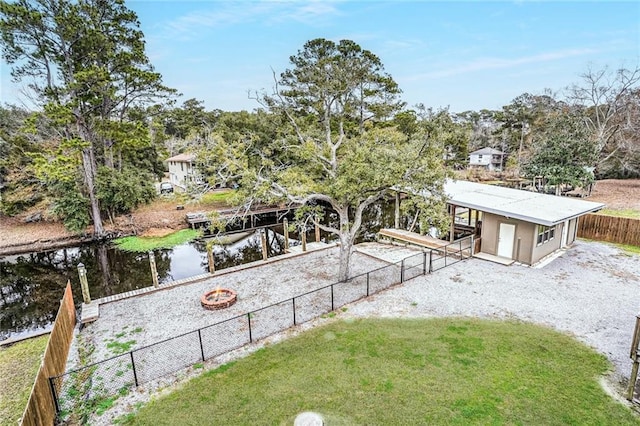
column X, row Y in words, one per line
column 156, row 219
column 157, row 232
column 163, row 214
column 617, row 194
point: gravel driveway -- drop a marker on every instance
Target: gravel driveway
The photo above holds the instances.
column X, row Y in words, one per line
column 590, row 292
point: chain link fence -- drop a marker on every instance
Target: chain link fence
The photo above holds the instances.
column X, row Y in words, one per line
column 82, row 390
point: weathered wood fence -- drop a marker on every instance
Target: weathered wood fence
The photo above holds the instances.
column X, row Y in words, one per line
column 613, row 229
column 41, row 409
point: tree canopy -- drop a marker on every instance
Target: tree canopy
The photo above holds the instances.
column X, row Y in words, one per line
column 85, row 64
column 340, row 152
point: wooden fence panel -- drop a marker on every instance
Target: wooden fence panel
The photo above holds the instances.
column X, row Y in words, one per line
column 41, row 408
column 621, row 230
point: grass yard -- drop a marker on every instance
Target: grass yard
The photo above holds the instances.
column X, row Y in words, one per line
column 392, row 372
column 144, row 244
column 628, row 213
column 219, row 198
column 19, row 365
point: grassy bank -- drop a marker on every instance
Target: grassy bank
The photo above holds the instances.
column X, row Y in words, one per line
column 19, row 365
column 438, row 371
column 628, row 213
column 144, row 244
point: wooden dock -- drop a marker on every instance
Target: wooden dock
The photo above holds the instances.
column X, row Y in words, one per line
column 457, row 248
column 248, row 220
column 412, row 238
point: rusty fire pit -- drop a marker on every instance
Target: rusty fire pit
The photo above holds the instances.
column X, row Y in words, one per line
column 219, row 298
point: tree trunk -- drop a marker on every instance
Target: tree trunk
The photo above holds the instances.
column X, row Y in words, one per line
column 103, row 263
column 89, row 170
column 346, row 249
column 346, row 245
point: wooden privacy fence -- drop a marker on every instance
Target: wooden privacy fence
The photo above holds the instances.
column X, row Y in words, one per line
column 41, row 409
column 621, row 230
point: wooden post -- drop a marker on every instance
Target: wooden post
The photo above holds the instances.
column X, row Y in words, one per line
column 636, row 359
column 210, row 258
column 154, row 270
column 285, row 227
column 397, row 212
column 317, row 232
column 303, row 230
column 475, row 225
column 82, row 273
column 263, row 237
column 452, row 231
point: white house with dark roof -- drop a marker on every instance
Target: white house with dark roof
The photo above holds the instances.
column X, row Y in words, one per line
column 488, row 158
column 182, row 170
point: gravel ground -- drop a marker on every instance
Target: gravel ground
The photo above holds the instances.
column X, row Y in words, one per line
column 588, row 292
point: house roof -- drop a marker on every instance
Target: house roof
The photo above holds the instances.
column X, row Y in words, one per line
column 529, row 206
column 182, row 158
column 486, row 151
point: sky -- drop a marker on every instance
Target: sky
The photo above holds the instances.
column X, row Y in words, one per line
column 461, row 55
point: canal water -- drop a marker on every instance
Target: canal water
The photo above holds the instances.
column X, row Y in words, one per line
column 32, row 284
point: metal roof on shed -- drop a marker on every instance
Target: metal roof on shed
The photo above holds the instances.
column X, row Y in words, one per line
column 529, row 206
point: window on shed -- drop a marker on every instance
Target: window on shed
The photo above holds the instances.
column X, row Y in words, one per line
column 545, row 234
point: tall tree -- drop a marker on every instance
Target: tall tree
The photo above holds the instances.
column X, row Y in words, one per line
column 86, row 62
column 520, row 120
column 564, row 151
column 606, row 100
column 331, row 156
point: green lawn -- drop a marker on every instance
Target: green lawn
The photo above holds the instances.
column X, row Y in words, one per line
column 19, row 365
column 397, row 372
column 219, row 198
column 144, row 244
column 628, row 213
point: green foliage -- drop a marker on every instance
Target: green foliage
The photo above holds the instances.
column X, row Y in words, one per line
column 144, row 244
column 86, row 62
column 71, row 206
column 122, row 191
column 564, row 152
column 392, row 372
column 339, row 151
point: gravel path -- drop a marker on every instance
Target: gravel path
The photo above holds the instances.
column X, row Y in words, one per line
column 167, row 313
column 589, row 292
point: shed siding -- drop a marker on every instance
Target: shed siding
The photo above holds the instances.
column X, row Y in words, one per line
column 545, row 249
column 524, row 237
column 573, row 226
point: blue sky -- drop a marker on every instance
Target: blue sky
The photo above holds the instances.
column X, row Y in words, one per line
column 466, row 55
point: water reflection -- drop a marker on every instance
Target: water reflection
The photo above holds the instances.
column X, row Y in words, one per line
column 32, row 284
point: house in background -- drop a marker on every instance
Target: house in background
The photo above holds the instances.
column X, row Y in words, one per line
column 182, row 170
column 488, row 158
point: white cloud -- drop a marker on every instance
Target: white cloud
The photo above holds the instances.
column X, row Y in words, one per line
column 483, row 64
column 308, row 12
column 226, row 13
